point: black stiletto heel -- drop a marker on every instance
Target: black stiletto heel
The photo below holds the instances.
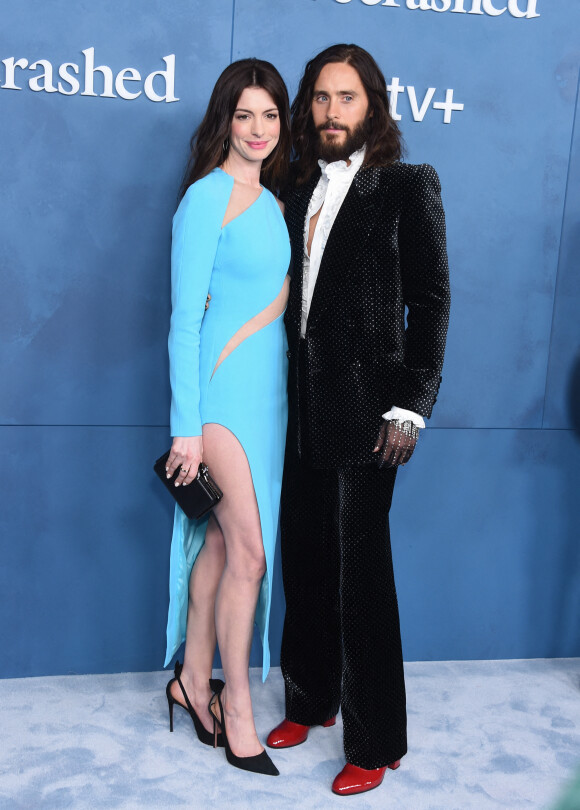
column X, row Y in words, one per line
column 203, row 735
column 260, row 763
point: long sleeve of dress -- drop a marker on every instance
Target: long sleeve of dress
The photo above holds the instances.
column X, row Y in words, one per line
column 196, row 233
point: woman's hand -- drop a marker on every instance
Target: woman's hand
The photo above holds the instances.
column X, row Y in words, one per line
column 186, row 451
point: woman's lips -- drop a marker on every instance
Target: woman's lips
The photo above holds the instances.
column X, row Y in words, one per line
column 257, row 144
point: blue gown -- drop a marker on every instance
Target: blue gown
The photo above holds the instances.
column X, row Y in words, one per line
column 243, row 267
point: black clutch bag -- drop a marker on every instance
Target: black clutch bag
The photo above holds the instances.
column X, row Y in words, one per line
column 196, row 498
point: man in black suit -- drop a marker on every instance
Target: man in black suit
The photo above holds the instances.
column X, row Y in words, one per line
column 368, row 246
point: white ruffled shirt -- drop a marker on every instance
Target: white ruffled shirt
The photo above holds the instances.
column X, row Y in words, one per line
column 328, row 196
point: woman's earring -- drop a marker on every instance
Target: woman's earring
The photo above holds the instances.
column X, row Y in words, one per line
column 226, row 146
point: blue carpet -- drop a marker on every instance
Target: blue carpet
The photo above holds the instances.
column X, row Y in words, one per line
column 482, row 734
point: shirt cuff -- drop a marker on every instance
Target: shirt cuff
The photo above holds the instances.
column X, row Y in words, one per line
column 403, row 415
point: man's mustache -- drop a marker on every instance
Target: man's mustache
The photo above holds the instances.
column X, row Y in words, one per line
column 331, row 125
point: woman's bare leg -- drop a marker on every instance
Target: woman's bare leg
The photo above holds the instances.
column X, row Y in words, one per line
column 239, row 520
column 200, row 639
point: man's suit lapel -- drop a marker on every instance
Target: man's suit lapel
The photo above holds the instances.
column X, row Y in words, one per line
column 295, row 218
column 351, row 228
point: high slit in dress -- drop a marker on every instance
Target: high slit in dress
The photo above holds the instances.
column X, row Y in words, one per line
column 243, row 267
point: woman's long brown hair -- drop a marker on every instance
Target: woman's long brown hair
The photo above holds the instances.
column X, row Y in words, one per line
column 207, row 143
column 384, row 144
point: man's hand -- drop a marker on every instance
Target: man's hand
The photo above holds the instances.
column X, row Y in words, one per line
column 395, row 442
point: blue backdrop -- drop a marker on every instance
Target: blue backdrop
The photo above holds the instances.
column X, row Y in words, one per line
column 484, row 522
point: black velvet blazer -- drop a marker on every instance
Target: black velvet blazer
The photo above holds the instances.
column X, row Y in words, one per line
column 385, row 253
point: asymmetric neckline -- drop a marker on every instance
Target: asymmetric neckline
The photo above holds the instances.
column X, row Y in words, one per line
column 251, row 205
column 227, row 174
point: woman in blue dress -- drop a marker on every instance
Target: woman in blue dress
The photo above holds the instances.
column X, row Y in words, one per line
column 227, row 349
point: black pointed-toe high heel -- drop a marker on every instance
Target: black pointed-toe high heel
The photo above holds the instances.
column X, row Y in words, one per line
column 203, row 735
column 260, row 763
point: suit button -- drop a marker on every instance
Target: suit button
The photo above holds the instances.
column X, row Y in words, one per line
column 288, row 354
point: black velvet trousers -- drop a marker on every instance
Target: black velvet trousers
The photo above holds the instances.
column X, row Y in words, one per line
column 341, row 645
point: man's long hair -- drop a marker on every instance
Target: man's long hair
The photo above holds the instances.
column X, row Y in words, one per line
column 384, row 144
column 210, row 142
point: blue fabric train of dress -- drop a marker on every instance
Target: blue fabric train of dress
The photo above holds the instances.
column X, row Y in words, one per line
column 243, row 267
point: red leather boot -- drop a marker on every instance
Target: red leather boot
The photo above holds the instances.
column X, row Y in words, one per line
column 358, row 780
column 288, row 733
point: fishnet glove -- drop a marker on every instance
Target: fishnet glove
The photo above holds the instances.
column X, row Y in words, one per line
column 395, row 442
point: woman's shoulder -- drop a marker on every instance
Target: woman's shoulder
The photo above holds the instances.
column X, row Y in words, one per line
column 209, row 189
column 274, row 200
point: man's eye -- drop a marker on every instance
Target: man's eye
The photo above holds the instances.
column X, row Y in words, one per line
column 347, row 98
column 322, row 98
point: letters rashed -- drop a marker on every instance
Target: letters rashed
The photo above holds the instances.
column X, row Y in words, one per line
column 67, row 78
column 522, row 9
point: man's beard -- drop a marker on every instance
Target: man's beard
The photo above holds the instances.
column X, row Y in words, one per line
column 332, row 149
